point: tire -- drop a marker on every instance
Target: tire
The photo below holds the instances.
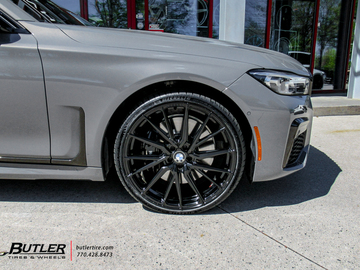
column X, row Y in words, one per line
column 175, row 166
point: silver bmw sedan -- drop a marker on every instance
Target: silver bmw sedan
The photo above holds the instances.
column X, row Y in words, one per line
column 180, row 119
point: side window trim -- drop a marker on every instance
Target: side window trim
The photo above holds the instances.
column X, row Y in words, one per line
column 12, row 25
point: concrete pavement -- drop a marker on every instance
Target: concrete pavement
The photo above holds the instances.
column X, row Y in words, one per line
column 308, row 220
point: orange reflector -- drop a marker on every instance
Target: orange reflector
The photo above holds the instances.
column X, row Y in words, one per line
column 258, row 140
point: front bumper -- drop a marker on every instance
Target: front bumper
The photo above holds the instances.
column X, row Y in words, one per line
column 284, row 123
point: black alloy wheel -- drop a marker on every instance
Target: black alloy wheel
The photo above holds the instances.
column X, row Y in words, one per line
column 180, row 153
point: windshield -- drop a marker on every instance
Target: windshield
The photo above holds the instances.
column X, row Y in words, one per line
column 47, row 11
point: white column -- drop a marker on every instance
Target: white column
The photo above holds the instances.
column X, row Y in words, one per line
column 232, row 20
column 354, row 79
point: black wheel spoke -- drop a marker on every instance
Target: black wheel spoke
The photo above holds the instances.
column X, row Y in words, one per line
column 158, row 175
column 195, row 129
column 152, row 143
column 171, row 180
column 177, row 177
column 209, row 168
column 210, row 136
column 208, row 178
column 148, row 166
column 189, row 178
column 198, row 134
column 160, row 132
column 185, row 127
column 210, row 154
column 169, row 125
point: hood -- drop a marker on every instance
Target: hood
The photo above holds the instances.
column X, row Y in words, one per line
column 180, row 44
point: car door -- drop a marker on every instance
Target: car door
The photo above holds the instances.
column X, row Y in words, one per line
column 24, row 128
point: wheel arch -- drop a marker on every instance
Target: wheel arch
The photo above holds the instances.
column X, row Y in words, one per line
column 171, row 86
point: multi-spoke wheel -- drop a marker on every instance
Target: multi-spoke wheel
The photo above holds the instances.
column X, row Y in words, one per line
column 180, row 153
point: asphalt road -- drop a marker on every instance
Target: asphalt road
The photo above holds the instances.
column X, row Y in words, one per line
column 309, row 220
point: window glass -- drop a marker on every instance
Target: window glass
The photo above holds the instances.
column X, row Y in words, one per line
column 173, row 16
column 255, row 22
column 203, row 15
column 158, row 19
column 187, row 17
column 30, row 9
column 326, row 43
column 5, row 26
column 140, row 14
column 292, row 26
column 108, row 13
column 216, row 18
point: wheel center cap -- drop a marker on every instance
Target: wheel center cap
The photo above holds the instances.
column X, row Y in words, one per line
column 179, row 157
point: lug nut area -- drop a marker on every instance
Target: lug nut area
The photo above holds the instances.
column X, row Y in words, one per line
column 179, row 157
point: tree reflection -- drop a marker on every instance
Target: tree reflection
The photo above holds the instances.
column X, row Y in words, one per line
column 112, row 13
column 329, row 15
column 303, row 18
column 255, row 23
column 182, row 17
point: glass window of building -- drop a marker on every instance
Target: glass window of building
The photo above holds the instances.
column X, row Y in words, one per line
column 216, row 19
column 292, row 26
column 326, row 43
column 255, row 22
column 108, row 13
column 173, row 16
column 203, row 15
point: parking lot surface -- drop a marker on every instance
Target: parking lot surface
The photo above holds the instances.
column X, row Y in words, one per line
column 308, row 220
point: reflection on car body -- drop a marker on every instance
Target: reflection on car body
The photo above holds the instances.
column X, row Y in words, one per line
column 180, row 119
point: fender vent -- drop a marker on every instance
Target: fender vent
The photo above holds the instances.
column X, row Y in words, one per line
column 296, row 149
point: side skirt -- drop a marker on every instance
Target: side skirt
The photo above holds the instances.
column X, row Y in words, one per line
column 12, row 171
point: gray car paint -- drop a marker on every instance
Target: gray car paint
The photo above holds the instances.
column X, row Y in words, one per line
column 183, row 45
column 23, row 106
column 89, row 72
column 273, row 114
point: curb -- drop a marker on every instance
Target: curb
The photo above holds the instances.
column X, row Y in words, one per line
column 338, row 110
column 335, row 105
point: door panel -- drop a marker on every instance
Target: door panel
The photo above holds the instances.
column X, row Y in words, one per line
column 24, row 132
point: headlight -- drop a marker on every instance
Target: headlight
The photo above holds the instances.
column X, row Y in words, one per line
column 282, row 82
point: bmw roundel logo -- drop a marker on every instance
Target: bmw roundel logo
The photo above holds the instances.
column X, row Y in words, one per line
column 179, row 157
